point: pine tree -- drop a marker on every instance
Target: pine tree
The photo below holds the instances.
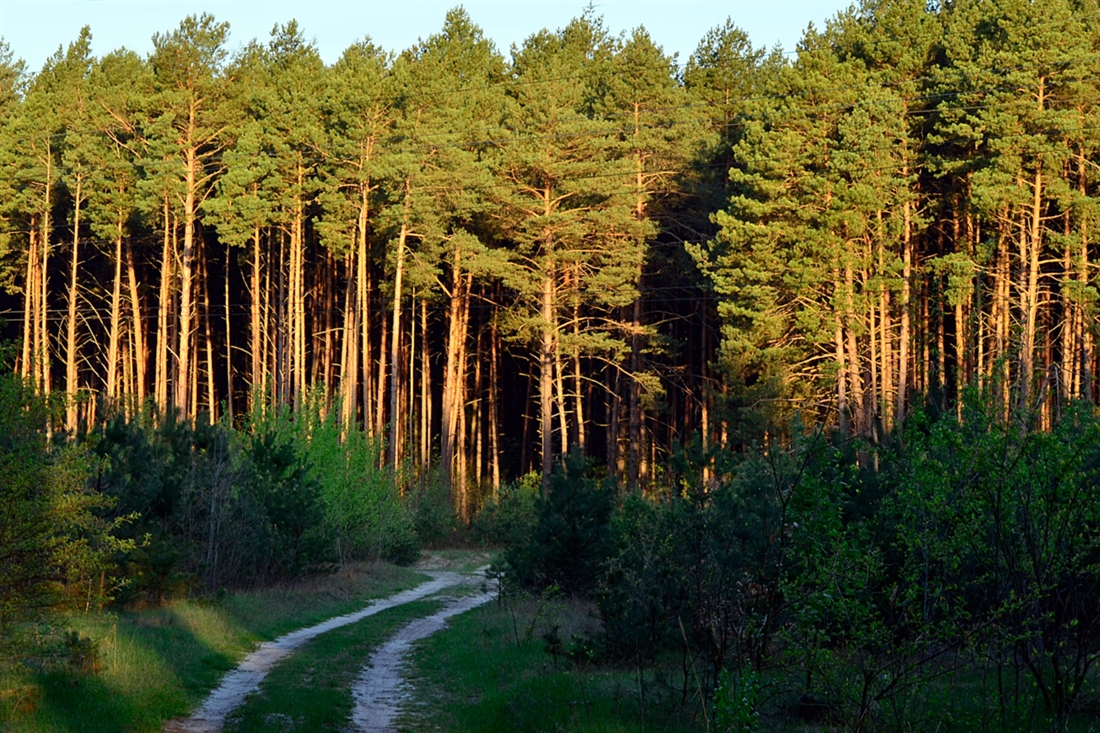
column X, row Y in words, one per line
column 40, row 132
column 784, row 262
column 1003, row 133
column 359, row 106
column 450, row 108
column 188, row 133
column 117, row 84
column 657, row 135
column 12, row 81
column 567, row 198
column 77, row 164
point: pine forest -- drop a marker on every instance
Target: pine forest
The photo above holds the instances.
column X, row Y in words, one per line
column 484, row 259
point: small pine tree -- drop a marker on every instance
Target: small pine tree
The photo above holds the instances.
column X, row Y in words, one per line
column 571, row 539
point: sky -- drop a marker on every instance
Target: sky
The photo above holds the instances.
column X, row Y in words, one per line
column 33, row 29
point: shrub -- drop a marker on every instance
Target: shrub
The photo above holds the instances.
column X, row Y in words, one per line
column 571, row 538
column 362, row 513
column 55, row 550
column 509, row 517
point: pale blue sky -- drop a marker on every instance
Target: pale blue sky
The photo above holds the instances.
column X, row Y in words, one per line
column 35, row 28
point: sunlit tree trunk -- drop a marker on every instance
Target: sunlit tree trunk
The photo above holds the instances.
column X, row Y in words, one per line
column 113, row 338
column 137, row 324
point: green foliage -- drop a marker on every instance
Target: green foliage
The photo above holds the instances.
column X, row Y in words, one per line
column 55, row 550
column 199, row 502
column 277, row 476
column 1000, row 527
column 736, row 702
column 571, row 537
column 509, row 517
column 430, row 504
column 362, row 514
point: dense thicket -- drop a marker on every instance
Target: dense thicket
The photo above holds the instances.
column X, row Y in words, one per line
column 956, row 585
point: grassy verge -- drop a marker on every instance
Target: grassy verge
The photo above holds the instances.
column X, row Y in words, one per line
column 142, row 668
column 490, row 672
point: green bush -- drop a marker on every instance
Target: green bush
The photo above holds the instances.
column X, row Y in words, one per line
column 433, row 511
column 362, row 513
column 55, row 549
column 509, row 518
column 570, row 541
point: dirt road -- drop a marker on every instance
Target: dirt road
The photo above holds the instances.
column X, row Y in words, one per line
column 379, row 688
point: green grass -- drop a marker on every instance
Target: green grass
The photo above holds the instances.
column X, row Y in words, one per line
column 158, row 664
column 490, row 672
column 311, row 690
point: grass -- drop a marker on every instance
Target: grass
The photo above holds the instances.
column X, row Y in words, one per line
column 491, row 673
column 153, row 665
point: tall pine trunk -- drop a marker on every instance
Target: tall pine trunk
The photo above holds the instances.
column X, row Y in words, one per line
column 72, row 377
column 395, row 346
column 137, row 325
column 114, row 330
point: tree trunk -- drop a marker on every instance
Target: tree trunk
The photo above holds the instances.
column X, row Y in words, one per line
column 904, row 308
column 841, row 382
column 395, row 347
column 187, row 276
column 28, row 364
column 1083, row 279
column 425, row 390
column 613, row 407
column 113, row 356
column 256, row 336
column 45, row 380
column 494, row 410
column 578, row 381
column 72, row 379
column 454, row 377
column 297, row 301
column 859, row 408
column 160, row 388
column 211, row 391
column 349, row 350
column 380, row 393
column 363, row 289
column 546, row 373
column 228, row 349
column 478, row 428
column 141, row 351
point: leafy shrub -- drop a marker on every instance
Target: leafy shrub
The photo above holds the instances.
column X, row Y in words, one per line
column 737, row 702
column 278, row 476
column 571, row 538
column 362, row 513
column 433, row 511
column 55, row 550
column 508, row 518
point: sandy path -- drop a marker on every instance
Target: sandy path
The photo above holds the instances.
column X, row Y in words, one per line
column 246, row 678
column 380, row 689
